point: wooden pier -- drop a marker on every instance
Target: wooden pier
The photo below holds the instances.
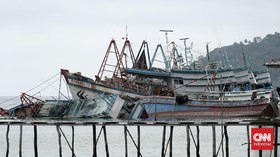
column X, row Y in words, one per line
column 220, row 142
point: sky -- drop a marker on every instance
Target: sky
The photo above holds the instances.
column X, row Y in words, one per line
column 38, row 38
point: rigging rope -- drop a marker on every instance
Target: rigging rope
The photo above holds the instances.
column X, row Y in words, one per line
column 9, row 99
column 42, row 83
column 13, row 98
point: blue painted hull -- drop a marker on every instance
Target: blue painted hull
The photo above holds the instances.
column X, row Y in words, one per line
column 166, row 108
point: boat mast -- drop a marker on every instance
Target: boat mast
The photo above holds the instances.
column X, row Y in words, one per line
column 112, row 49
column 168, row 52
column 123, row 58
column 141, row 56
column 159, row 48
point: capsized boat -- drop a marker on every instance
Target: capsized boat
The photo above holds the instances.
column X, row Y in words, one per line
column 101, row 107
column 182, row 108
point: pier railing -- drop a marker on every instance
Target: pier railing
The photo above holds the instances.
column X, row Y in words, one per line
column 220, row 142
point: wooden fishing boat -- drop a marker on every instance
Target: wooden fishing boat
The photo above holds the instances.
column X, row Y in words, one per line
column 182, row 108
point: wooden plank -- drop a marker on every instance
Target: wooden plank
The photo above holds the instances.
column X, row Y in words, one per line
column 163, row 141
column 171, row 141
column 59, row 140
column 73, row 142
column 7, row 140
column 94, row 143
column 188, row 141
column 248, row 141
column 266, row 122
column 227, row 141
column 214, row 141
column 139, row 142
column 125, row 140
column 106, row 141
column 276, row 140
column 20, row 141
column 35, row 141
column 197, row 142
column 260, row 151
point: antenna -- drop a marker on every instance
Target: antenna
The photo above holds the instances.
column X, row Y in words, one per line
column 207, row 51
column 188, row 54
column 126, row 34
column 166, row 33
column 168, row 54
column 186, row 49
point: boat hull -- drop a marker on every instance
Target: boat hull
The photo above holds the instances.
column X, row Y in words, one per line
column 81, row 86
column 159, row 108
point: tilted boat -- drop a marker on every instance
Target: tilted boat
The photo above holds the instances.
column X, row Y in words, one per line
column 81, row 86
column 32, row 107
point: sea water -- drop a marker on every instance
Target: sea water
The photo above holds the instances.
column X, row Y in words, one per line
column 151, row 141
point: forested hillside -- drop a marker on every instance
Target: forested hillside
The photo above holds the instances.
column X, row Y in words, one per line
column 256, row 52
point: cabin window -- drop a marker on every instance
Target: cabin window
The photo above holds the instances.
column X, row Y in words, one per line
column 178, row 82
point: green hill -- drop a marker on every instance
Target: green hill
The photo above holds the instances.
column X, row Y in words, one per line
column 256, row 53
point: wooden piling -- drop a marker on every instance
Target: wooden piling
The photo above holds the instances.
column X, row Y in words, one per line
column 20, row 141
column 59, row 140
column 67, row 141
column 105, row 141
column 171, row 141
column 260, row 151
column 35, row 142
column 94, row 143
column 275, row 140
column 188, row 141
column 73, row 141
column 125, row 141
column 7, row 140
column 214, row 141
column 139, row 142
column 222, row 141
column 248, row 141
column 197, row 143
column 163, row 141
column 227, row 141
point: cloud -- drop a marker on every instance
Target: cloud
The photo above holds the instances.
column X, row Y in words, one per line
column 40, row 37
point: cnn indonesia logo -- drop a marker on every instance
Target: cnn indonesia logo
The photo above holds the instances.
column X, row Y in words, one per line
column 262, row 138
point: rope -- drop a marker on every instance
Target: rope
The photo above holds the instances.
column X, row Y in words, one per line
column 50, row 84
column 9, row 99
column 35, row 88
column 60, row 93
column 42, row 83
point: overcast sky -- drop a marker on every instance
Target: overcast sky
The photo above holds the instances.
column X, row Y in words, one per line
column 38, row 38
